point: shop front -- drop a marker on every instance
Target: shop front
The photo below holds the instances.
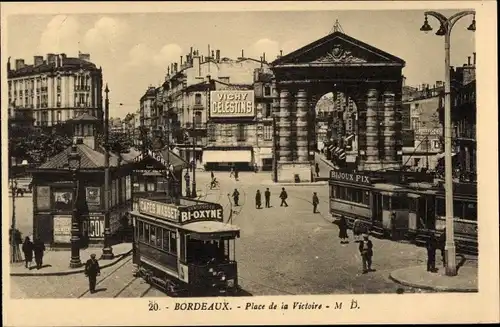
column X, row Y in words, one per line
column 225, row 158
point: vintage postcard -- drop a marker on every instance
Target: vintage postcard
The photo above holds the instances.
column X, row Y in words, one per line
column 249, row 163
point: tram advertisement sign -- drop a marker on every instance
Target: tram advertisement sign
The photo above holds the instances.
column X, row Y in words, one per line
column 93, row 227
column 208, row 211
column 158, row 209
column 349, row 177
column 232, row 104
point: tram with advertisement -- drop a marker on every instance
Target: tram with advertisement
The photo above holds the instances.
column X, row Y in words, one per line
column 185, row 248
column 396, row 205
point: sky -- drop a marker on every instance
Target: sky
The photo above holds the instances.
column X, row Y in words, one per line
column 134, row 50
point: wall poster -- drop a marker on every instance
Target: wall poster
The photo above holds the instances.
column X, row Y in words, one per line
column 43, row 197
column 62, row 229
column 93, row 195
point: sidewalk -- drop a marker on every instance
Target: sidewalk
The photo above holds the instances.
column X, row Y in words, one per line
column 56, row 263
column 419, row 277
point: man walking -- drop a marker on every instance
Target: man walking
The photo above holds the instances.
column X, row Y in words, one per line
column 366, row 251
column 315, row 202
column 236, row 197
column 92, row 270
column 267, row 197
column 431, row 254
column 283, row 197
column 38, row 249
column 317, row 169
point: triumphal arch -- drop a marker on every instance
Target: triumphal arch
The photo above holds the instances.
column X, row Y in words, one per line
column 371, row 77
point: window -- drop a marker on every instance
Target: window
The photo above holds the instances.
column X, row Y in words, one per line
column 150, row 185
column 152, row 235
column 268, row 132
column 437, row 144
column 146, row 233
column 386, row 202
column 458, row 209
column 140, row 227
column 241, row 136
column 197, row 99
column 267, row 91
column 229, row 130
column 267, row 110
column 470, row 211
column 173, row 242
column 399, row 203
column 212, row 130
column 59, row 116
column 161, row 184
column 440, row 207
column 166, row 240
column 197, row 119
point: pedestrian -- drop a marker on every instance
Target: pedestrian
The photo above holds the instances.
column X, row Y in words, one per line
column 255, row 168
column 431, row 253
column 283, row 197
column 92, row 270
column 267, row 197
column 38, row 249
column 317, row 169
column 366, row 250
column 442, row 244
column 236, row 173
column 356, row 230
column 315, row 202
column 231, row 174
column 343, row 230
column 258, row 199
column 212, row 176
column 28, row 252
column 236, row 197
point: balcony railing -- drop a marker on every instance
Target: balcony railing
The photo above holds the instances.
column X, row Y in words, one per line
column 196, row 125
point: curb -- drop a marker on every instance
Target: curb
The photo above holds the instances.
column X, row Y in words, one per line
column 432, row 288
column 118, row 258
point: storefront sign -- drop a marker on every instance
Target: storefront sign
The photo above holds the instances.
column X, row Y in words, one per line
column 156, row 156
column 62, row 229
column 190, row 214
column 349, row 177
column 158, row 209
column 93, row 195
column 229, row 104
column 93, row 227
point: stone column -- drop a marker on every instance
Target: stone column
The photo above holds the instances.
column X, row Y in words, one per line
column 311, row 127
column 302, row 124
column 389, row 124
column 372, row 153
column 284, row 127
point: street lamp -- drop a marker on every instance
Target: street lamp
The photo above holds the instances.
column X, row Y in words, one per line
column 14, row 241
column 187, row 179
column 193, row 188
column 445, row 29
column 74, row 161
column 107, row 250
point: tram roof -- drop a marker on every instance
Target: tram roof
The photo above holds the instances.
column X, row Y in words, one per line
column 210, row 227
column 389, row 187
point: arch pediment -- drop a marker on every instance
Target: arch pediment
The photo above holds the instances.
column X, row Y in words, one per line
column 338, row 49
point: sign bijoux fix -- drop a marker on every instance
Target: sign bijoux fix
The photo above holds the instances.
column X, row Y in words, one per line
column 232, row 104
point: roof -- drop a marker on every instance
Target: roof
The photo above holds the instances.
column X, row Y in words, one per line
column 67, row 63
column 337, row 48
column 226, row 86
column 90, row 159
column 84, row 117
column 207, row 227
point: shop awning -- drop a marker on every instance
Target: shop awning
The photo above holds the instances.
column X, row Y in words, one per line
column 227, row 156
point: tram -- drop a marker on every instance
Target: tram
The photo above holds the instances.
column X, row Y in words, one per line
column 185, row 249
column 403, row 209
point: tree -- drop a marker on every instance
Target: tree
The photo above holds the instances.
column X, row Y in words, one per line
column 118, row 142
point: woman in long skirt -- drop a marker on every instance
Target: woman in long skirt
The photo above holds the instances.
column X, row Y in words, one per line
column 356, row 230
column 343, row 230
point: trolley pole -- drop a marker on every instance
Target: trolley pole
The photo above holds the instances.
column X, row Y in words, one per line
column 193, row 188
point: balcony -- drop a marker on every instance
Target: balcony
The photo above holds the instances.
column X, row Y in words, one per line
column 465, row 134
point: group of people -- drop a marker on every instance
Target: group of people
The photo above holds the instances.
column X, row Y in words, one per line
column 360, row 236
column 31, row 249
column 258, row 198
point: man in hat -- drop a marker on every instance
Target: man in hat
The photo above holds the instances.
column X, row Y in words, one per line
column 92, row 270
column 366, row 251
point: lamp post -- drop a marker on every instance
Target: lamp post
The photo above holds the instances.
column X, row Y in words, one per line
column 14, row 242
column 107, row 250
column 445, row 30
column 187, row 179
column 74, row 161
column 193, row 188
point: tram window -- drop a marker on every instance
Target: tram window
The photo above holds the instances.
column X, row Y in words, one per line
column 386, row 202
column 146, row 233
column 166, row 240
column 159, row 236
column 141, row 187
column 366, row 197
column 412, row 205
column 458, row 209
column 173, row 242
column 349, row 194
column 151, row 185
column 440, row 207
column 140, row 227
column 336, row 192
column 470, row 211
column 399, row 203
column 152, row 236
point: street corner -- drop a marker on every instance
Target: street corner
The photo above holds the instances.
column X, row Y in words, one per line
column 418, row 277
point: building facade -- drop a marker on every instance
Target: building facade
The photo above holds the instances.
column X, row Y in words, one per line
column 55, row 89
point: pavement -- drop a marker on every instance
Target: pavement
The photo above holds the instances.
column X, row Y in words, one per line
column 419, row 277
column 56, row 263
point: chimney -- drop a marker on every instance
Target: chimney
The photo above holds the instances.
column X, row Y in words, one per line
column 264, row 57
column 168, row 70
column 181, row 61
column 213, row 56
column 191, row 51
column 38, row 60
column 281, row 53
column 8, row 64
column 84, row 56
column 217, row 55
column 176, row 67
column 474, row 58
column 51, row 58
column 19, row 63
column 242, row 54
column 468, row 61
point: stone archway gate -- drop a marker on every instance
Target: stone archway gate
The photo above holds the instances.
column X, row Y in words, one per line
column 337, row 62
